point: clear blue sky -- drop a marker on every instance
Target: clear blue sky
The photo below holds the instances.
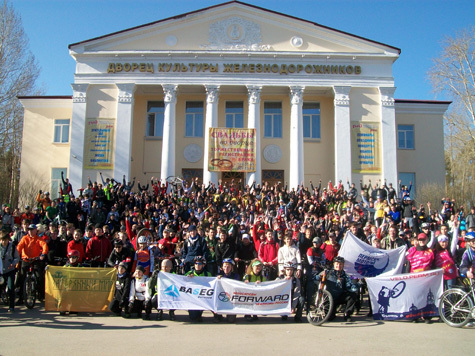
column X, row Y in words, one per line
column 416, row 27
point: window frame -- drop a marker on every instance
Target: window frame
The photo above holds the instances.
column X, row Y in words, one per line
column 319, row 116
column 273, row 117
column 233, row 114
column 61, row 127
column 156, row 117
column 194, row 115
column 405, row 131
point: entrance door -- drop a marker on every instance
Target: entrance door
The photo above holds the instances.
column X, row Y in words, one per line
column 227, row 177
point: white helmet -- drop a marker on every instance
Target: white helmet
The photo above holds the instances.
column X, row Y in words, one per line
column 142, row 240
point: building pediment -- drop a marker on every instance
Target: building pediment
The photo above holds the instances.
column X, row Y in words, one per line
column 234, row 27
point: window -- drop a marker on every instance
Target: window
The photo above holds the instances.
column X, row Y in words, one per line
column 273, row 120
column 405, row 137
column 194, row 119
column 155, row 114
column 311, row 120
column 234, row 114
column 56, row 181
column 61, row 131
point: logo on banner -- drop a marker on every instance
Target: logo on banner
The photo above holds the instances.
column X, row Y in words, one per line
column 385, row 294
column 172, row 291
column 224, row 297
column 370, row 264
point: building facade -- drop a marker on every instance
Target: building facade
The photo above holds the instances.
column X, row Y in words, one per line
column 318, row 103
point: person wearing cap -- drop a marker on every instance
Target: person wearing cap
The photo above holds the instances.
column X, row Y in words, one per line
column 468, row 258
column 31, row 247
column 245, row 253
column 420, row 257
column 98, row 248
column 254, row 274
column 144, row 256
column 227, row 271
column 139, row 297
column 331, row 247
column 9, row 259
column 298, row 300
column 120, row 254
column 195, row 245
column 340, row 286
column 225, row 247
column 121, row 291
column 444, row 253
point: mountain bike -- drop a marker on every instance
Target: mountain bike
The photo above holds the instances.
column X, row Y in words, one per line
column 456, row 306
column 320, row 309
column 31, row 282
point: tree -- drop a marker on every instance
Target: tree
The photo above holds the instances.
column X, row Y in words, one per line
column 18, row 74
column 453, row 74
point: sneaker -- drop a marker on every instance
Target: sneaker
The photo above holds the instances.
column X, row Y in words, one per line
column 160, row 315
column 146, row 317
column 255, row 318
column 10, row 310
column 348, row 318
column 298, row 320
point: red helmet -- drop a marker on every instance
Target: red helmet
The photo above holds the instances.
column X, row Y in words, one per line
column 74, row 253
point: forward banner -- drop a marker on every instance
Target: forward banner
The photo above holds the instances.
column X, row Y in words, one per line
column 223, row 295
column 406, row 296
column 363, row 260
column 79, row 289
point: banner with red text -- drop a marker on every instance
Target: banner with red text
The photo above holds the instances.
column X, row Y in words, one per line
column 232, row 150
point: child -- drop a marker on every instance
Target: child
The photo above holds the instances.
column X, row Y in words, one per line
column 296, row 292
column 254, row 274
column 139, row 298
column 122, row 291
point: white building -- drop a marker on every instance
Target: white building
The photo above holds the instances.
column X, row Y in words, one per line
column 321, row 103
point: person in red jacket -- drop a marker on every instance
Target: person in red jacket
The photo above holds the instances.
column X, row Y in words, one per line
column 268, row 254
column 77, row 244
column 331, row 247
column 98, row 248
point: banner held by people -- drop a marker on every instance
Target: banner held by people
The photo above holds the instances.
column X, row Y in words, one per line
column 405, row 296
column 363, row 260
column 79, row 289
column 223, row 295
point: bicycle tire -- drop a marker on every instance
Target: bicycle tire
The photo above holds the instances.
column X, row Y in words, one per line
column 455, row 308
column 320, row 311
column 30, row 292
column 5, row 295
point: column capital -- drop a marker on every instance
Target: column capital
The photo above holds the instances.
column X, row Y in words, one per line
column 79, row 92
column 296, row 94
column 387, row 95
column 212, row 93
column 170, row 91
column 254, row 93
column 126, row 92
column 342, row 95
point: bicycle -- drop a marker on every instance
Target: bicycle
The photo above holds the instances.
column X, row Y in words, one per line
column 31, row 283
column 456, row 306
column 320, row 310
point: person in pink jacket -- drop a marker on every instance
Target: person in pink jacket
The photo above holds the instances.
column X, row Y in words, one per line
column 420, row 257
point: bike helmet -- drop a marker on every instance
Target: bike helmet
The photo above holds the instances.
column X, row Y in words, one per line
column 425, row 226
column 74, row 253
column 228, row 260
column 289, row 265
column 339, row 259
column 470, row 236
column 142, row 240
column 199, row 259
column 118, row 243
column 317, row 240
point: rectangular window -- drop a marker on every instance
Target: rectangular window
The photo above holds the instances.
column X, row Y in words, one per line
column 194, row 119
column 234, row 114
column 61, row 130
column 273, row 120
column 405, row 137
column 56, row 181
column 311, row 120
column 155, row 115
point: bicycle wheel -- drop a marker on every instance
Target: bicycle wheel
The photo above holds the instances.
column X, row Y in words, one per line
column 319, row 312
column 30, row 292
column 5, row 295
column 455, row 308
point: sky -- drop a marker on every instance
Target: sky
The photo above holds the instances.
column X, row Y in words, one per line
column 417, row 27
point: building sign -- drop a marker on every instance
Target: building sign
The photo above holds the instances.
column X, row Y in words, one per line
column 366, row 147
column 232, row 150
column 235, row 68
column 99, row 144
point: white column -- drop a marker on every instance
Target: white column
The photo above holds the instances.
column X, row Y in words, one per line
column 254, row 122
column 342, row 134
column 296, row 174
column 124, row 128
column 78, row 124
column 388, row 136
column 169, row 133
column 212, row 96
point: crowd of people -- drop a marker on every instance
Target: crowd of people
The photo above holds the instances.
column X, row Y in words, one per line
column 251, row 233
